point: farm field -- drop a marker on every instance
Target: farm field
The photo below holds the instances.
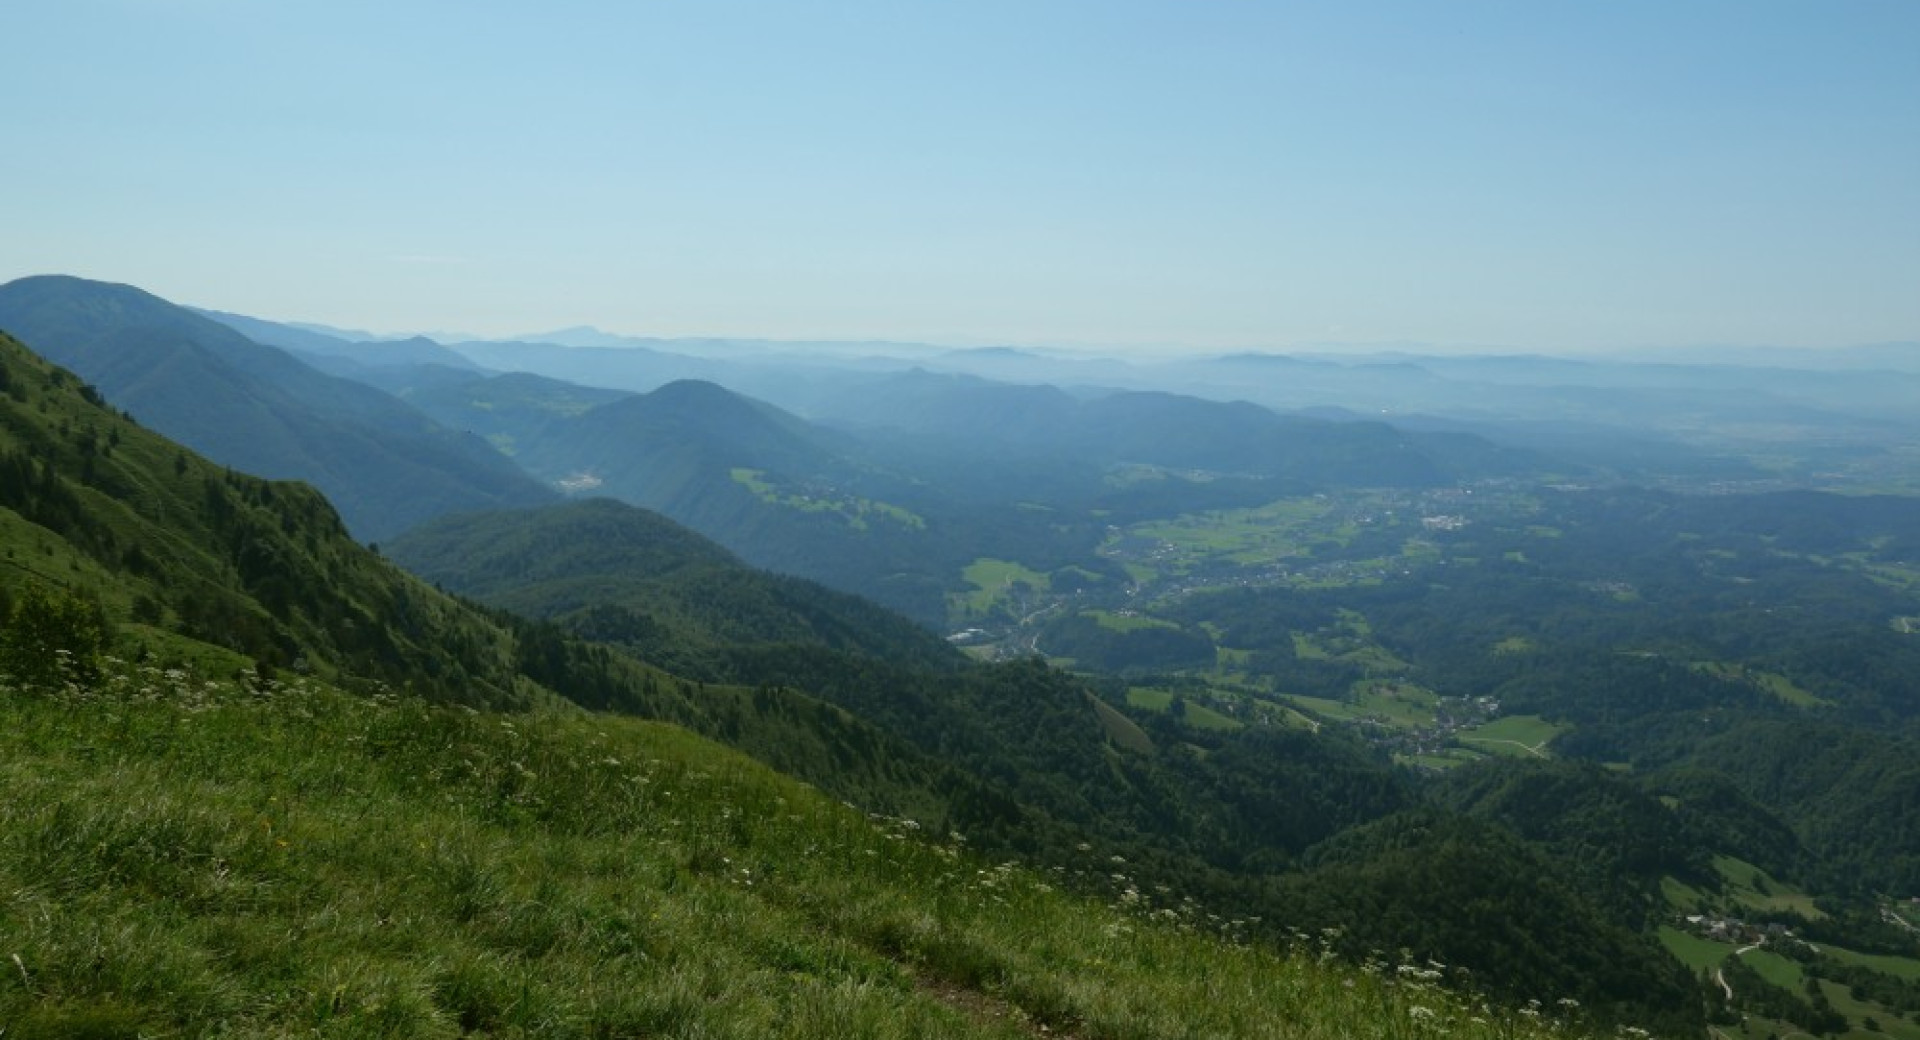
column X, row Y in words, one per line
column 1197, row 715
column 1692, row 950
column 1771, row 682
column 1513, row 735
column 1263, row 535
column 856, row 511
column 1403, row 706
column 994, row 582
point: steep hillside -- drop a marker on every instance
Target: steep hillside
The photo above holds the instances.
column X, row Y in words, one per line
column 208, row 860
column 100, row 507
column 622, row 575
column 117, row 541
column 256, row 408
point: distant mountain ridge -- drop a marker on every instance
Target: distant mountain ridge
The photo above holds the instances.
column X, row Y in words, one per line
column 410, row 350
column 259, row 409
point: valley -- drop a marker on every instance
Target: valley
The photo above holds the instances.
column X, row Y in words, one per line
column 1059, row 521
column 1640, row 738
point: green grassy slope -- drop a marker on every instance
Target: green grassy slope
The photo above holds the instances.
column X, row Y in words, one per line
column 190, row 858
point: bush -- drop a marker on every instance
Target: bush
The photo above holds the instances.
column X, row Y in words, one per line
column 51, row 636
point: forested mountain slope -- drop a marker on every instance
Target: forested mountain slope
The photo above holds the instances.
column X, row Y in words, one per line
column 258, row 409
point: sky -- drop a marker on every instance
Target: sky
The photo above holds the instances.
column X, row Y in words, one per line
column 1179, row 175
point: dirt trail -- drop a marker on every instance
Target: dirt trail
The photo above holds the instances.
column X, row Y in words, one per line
column 986, row 1008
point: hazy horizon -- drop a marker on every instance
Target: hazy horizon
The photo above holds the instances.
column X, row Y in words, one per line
column 1130, row 178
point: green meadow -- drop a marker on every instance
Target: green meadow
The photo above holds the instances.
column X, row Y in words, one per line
column 187, row 856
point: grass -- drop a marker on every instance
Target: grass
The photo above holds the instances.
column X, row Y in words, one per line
column 188, row 858
column 1514, row 735
column 1280, row 530
column 1127, row 622
column 1748, row 885
column 1399, row 705
column 1778, row 685
column 993, row 581
column 1351, row 642
column 1450, row 758
column 1776, row 969
column 1338, row 711
column 1679, row 895
column 1899, row 967
column 856, row 511
column 1197, row 715
column 1858, row 1011
column 1402, row 705
column 1692, row 950
column 1123, row 731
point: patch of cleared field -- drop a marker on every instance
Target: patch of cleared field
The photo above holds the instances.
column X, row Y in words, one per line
column 1149, row 698
column 1229, row 659
column 1197, row 715
column 1898, row 967
column 1858, row 1011
column 1259, row 536
column 1451, row 758
column 856, row 511
column 1352, row 641
column 1751, row 886
column 1514, row 735
column 1126, row 622
column 1338, row 711
column 1892, row 575
column 993, row 581
column 1514, row 645
column 1419, row 550
column 1771, row 682
column 1403, row 705
column 1692, row 950
column 1776, row 969
column 1400, row 705
column 1122, row 730
column 1680, row 895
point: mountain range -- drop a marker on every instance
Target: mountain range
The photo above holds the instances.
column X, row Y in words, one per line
column 257, row 408
column 1323, row 681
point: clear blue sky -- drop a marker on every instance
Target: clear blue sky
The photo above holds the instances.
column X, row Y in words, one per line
column 1221, row 174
